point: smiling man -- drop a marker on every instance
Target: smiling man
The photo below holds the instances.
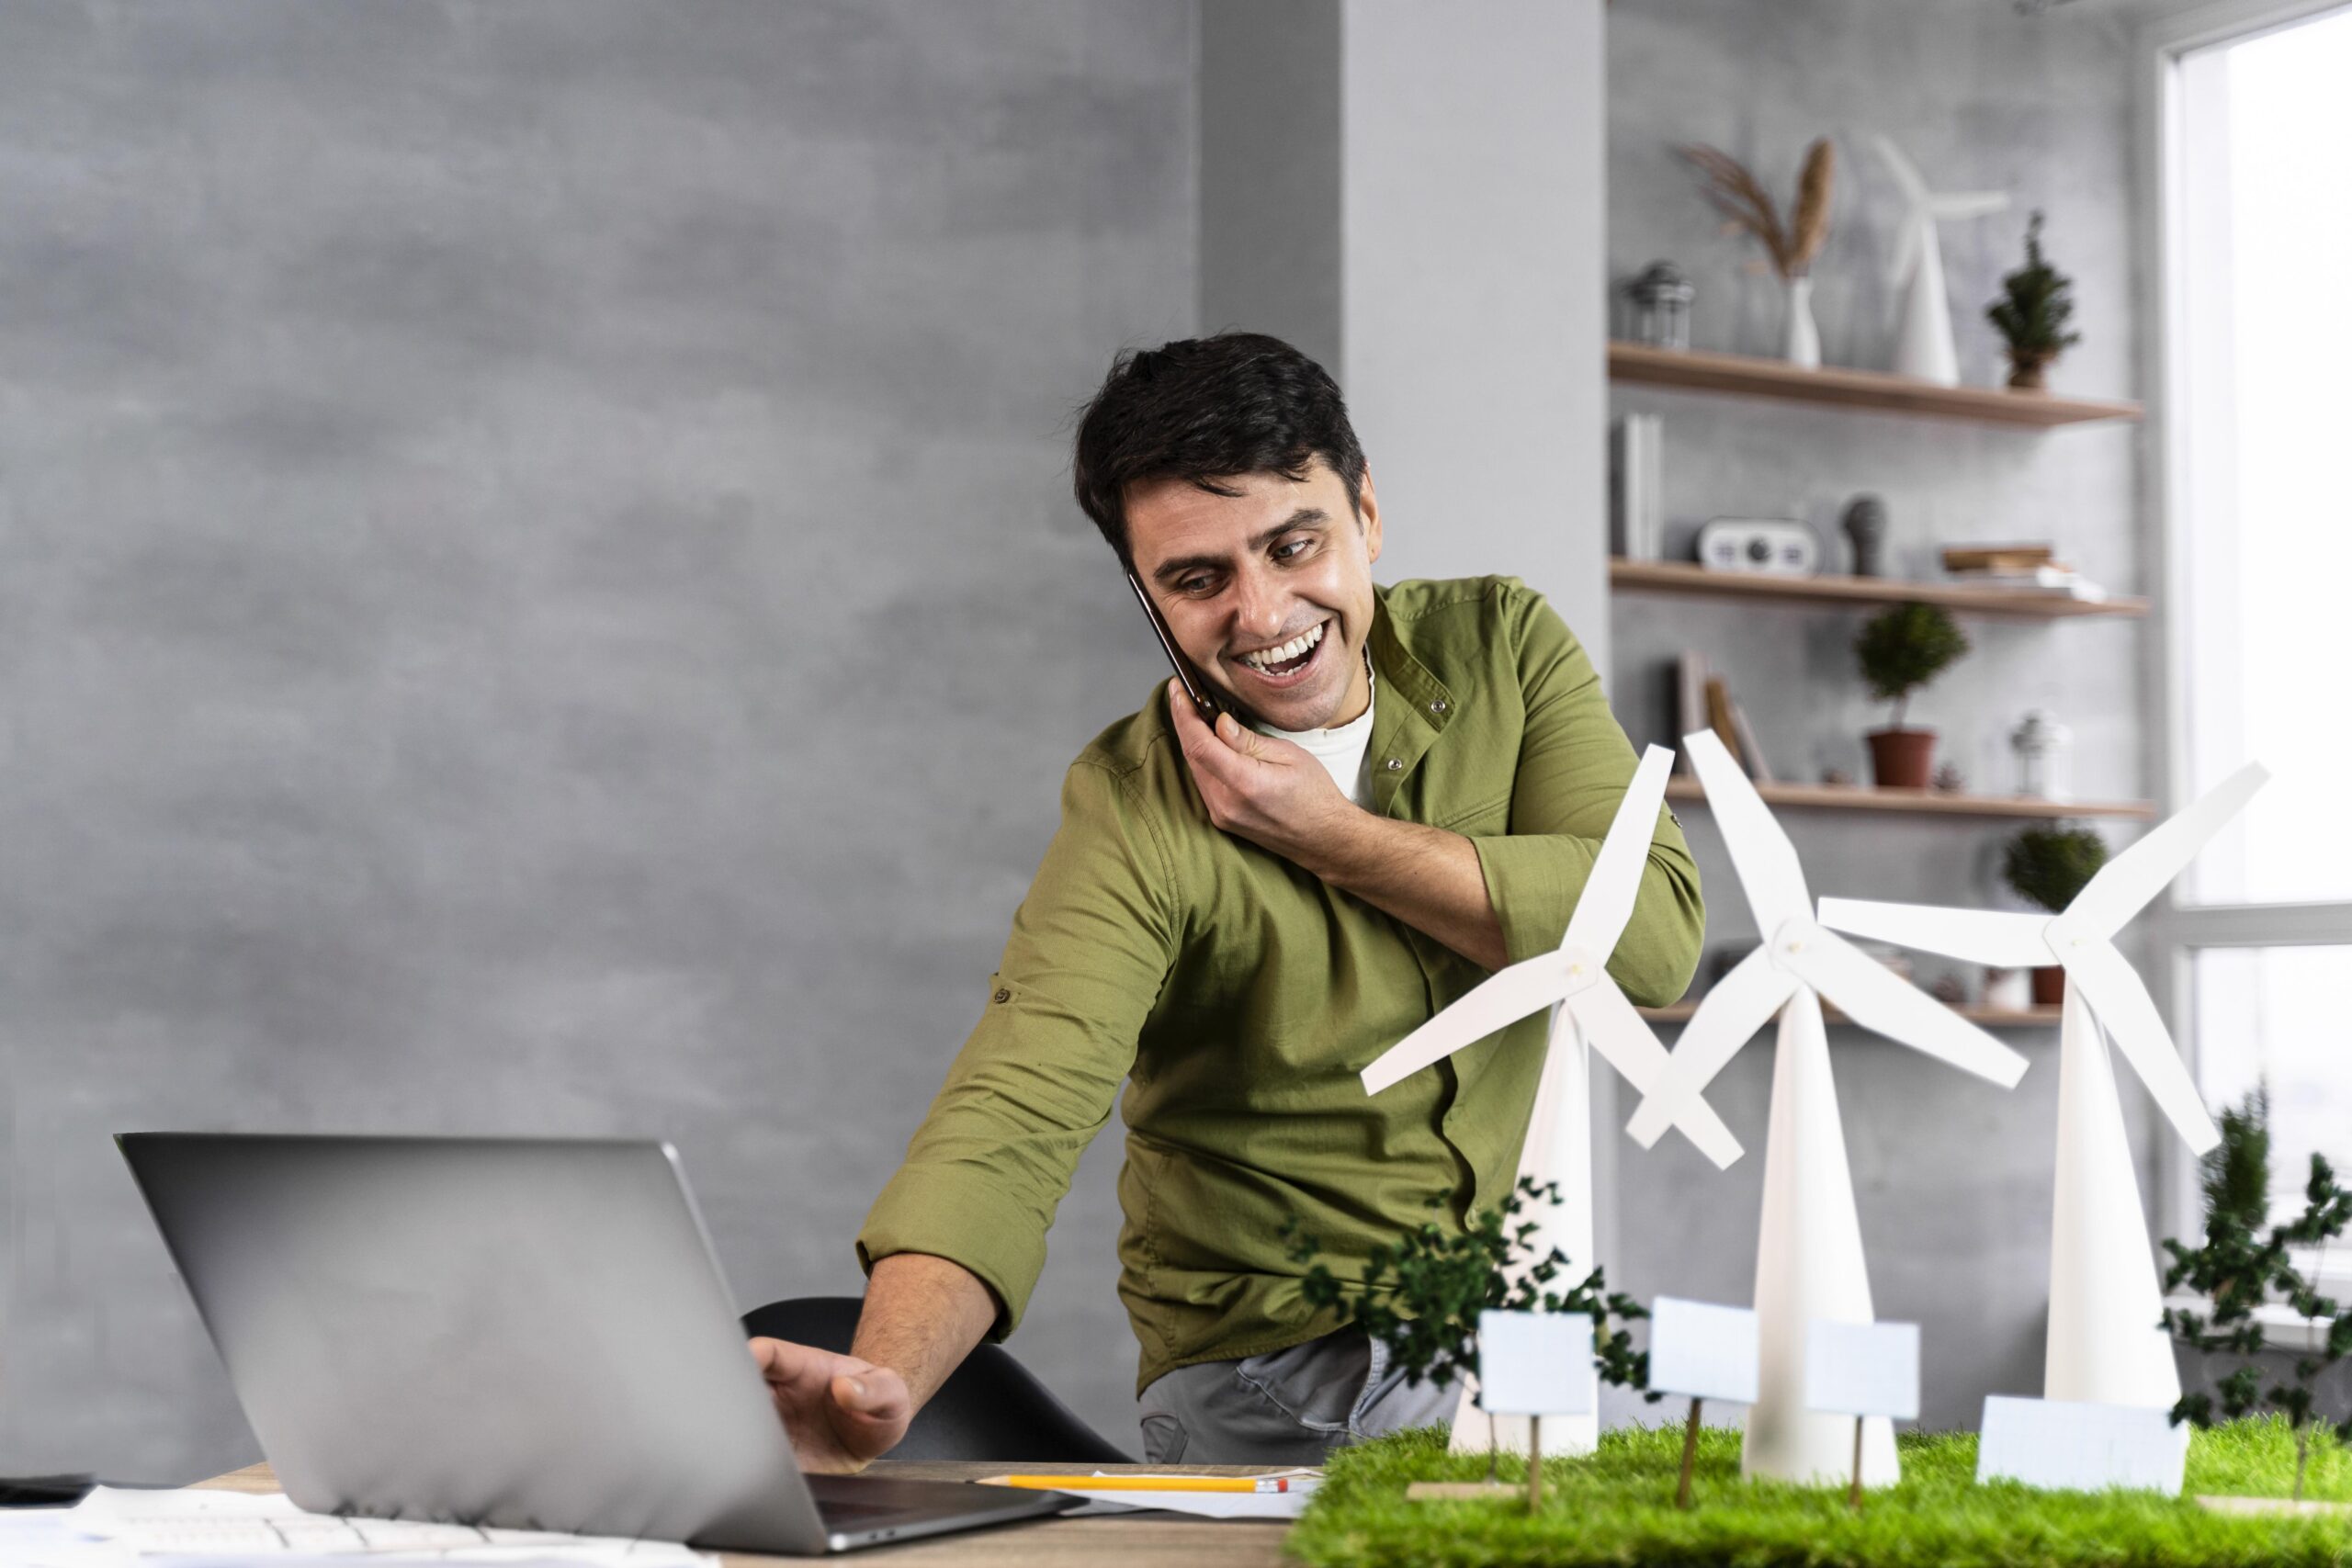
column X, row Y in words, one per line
column 1233, row 921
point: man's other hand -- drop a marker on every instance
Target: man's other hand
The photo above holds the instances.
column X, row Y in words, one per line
column 1266, row 790
column 842, row 1413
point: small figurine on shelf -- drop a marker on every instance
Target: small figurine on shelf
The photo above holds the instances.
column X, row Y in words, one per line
column 2036, row 302
column 1748, row 210
column 1865, row 524
column 1950, row 989
column 1948, row 780
column 1837, row 778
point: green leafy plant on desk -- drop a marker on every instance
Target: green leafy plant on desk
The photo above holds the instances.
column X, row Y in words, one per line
column 2237, row 1270
column 1421, row 1296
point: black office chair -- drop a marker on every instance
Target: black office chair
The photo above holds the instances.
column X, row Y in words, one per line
column 990, row 1408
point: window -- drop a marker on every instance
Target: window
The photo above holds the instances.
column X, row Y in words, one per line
column 2254, row 197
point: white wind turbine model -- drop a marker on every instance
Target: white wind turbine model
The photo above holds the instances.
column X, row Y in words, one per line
column 1809, row 1242
column 2105, row 1345
column 1589, row 1010
column 1923, row 343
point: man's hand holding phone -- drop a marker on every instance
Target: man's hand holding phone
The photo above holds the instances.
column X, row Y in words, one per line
column 1266, row 790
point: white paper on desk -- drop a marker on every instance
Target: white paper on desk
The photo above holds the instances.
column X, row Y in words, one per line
column 1701, row 1350
column 193, row 1526
column 2065, row 1446
column 1862, row 1368
column 1202, row 1505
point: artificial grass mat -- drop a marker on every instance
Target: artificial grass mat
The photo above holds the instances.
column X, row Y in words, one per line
column 1616, row 1507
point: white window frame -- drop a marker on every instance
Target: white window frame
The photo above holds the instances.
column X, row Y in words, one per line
column 2173, row 931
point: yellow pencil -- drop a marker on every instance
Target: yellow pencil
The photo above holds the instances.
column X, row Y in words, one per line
column 1158, row 1483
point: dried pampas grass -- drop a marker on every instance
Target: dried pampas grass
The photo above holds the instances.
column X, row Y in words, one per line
column 1748, row 209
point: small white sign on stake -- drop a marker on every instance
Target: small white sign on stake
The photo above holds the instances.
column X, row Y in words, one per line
column 2063, row 1446
column 1701, row 1350
column 1535, row 1363
column 1862, row 1368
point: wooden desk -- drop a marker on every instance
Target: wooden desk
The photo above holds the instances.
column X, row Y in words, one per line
column 1162, row 1541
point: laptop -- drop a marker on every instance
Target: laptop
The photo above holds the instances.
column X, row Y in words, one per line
column 500, row 1331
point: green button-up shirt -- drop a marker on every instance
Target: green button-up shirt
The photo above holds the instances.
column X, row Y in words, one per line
column 1239, row 995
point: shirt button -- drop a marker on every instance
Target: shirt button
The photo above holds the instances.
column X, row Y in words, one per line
column 1394, row 766
column 1004, row 996
column 1438, row 706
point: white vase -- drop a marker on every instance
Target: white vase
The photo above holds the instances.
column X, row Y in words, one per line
column 1801, row 345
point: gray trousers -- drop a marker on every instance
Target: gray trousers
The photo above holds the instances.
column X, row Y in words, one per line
column 1289, row 1406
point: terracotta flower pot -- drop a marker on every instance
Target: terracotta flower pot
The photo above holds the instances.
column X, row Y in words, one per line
column 2048, row 986
column 1903, row 759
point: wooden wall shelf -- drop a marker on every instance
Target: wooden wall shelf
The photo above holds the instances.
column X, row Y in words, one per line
column 1745, row 376
column 1689, row 578
column 1929, row 801
column 1991, row 1017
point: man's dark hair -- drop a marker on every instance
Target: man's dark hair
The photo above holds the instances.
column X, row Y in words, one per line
column 1207, row 409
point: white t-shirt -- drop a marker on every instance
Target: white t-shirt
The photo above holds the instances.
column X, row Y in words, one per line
column 1341, row 750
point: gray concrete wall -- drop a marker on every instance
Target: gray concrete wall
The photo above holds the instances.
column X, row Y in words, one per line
column 1952, row 1176
column 1418, row 203
column 537, row 594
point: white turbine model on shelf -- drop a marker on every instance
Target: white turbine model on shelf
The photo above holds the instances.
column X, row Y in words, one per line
column 2105, row 1346
column 1809, row 1243
column 1923, row 341
column 1589, row 1011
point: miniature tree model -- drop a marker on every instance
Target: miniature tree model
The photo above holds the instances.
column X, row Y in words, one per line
column 2236, row 1272
column 2037, row 300
column 1900, row 650
column 1422, row 1297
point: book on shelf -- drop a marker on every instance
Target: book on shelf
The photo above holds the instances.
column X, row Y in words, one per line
column 1731, row 727
column 1637, row 483
column 2054, row 580
column 1689, row 704
column 1750, row 753
column 1998, row 558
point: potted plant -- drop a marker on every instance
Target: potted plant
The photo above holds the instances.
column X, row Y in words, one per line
column 2031, row 313
column 2237, row 1268
column 1900, row 650
column 2047, row 866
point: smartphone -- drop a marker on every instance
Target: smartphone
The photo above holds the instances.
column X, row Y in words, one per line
column 1197, row 686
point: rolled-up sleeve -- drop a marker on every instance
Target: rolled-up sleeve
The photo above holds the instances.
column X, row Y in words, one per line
column 1574, row 766
column 1091, row 947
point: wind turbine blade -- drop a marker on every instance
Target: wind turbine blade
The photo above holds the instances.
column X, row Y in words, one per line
column 1728, row 1016
column 1622, row 1038
column 1983, row 936
column 1497, row 1002
column 2125, row 885
column 2129, row 1015
column 1958, row 203
column 1906, row 174
column 1766, row 861
column 1607, row 902
column 1876, row 997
